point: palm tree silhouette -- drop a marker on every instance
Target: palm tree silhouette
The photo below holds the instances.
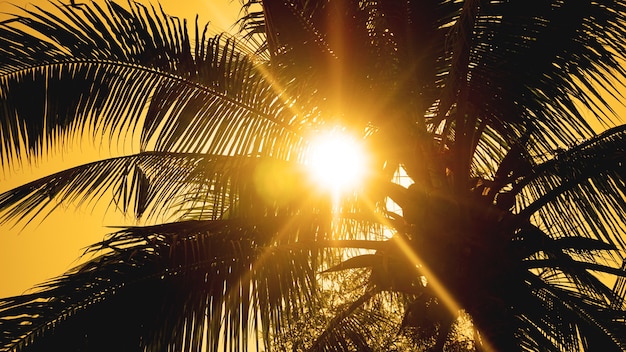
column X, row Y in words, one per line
column 511, row 228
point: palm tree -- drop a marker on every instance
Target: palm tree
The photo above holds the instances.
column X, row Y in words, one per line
column 511, row 228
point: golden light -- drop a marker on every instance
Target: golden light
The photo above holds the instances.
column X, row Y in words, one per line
column 337, row 161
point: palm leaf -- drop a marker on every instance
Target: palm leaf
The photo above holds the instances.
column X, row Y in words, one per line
column 100, row 90
column 580, row 192
column 163, row 185
column 215, row 275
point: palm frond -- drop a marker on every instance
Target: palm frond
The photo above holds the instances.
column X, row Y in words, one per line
column 132, row 183
column 157, row 186
column 161, row 78
column 221, row 280
column 90, row 31
column 527, row 64
column 571, row 316
column 581, row 191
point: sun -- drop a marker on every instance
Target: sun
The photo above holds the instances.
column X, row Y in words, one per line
column 337, row 161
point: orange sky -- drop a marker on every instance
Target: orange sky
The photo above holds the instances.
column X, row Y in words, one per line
column 46, row 249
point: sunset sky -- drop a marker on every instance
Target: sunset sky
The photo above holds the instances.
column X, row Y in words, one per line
column 45, row 249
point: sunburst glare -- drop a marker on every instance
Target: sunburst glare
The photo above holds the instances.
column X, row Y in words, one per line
column 337, row 161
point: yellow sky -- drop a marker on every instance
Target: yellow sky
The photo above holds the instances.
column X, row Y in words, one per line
column 221, row 13
column 46, row 249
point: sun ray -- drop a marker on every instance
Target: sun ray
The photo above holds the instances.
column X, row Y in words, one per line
column 433, row 281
